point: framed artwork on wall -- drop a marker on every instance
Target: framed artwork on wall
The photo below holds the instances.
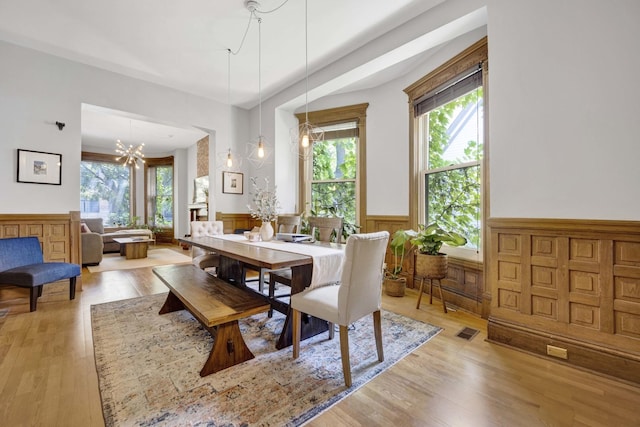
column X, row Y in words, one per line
column 37, row 167
column 232, row 182
column 201, row 190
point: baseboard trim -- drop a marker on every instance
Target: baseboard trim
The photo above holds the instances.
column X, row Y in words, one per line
column 593, row 358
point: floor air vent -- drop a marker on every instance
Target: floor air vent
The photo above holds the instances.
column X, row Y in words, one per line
column 468, row 333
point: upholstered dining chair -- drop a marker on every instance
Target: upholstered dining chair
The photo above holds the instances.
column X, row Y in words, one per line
column 199, row 257
column 358, row 294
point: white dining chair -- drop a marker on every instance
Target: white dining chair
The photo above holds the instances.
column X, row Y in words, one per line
column 359, row 293
column 199, row 257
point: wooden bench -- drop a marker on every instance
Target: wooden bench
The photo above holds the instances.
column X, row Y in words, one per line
column 217, row 305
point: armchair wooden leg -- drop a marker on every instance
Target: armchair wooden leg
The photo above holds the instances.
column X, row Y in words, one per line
column 344, row 352
column 72, row 288
column 377, row 330
column 296, row 318
column 33, row 297
column 332, row 331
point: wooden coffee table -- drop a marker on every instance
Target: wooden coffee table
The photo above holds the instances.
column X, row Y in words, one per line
column 133, row 247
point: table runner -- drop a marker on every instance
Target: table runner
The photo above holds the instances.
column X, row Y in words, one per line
column 327, row 262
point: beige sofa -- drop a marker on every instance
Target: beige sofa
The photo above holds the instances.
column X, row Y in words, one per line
column 109, row 245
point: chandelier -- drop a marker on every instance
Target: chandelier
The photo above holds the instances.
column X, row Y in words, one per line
column 129, row 155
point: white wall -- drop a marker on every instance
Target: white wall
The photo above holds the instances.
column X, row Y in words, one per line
column 564, row 109
column 37, row 89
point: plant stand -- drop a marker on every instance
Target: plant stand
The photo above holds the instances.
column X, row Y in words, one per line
column 431, row 267
column 444, row 304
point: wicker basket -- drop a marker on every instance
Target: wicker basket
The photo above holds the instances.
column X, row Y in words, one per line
column 431, row 266
column 395, row 287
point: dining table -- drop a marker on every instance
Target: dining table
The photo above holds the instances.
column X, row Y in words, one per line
column 312, row 264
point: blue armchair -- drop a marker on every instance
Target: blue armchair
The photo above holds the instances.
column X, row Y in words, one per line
column 22, row 265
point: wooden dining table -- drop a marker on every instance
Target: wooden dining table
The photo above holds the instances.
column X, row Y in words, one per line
column 234, row 253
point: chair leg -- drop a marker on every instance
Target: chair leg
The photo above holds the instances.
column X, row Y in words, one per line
column 377, row 330
column 296, row 319
column 344, row 353
column 33, row 297
column 72, row 288
column 332, row 331
column 272, row 293
column 40, row 291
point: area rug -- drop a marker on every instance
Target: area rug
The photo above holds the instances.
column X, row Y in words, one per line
column 161, row 256
column 148, row 367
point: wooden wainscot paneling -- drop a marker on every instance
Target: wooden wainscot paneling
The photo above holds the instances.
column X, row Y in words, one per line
column 572, row 284
column 237, row 221
column 59, row 234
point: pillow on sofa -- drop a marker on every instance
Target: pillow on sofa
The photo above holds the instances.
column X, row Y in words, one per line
column 84, row 228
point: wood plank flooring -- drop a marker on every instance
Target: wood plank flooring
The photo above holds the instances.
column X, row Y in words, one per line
column 48, row 377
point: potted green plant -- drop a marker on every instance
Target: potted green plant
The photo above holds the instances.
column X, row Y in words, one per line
column 430, row 262
column 394, row 284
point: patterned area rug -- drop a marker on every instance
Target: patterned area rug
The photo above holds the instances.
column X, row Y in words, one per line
column 159, row 256
column 148, row 367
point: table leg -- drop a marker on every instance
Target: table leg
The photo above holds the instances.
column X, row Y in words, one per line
column 311, row 326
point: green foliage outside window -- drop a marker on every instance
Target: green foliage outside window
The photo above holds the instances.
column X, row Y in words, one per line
column 333, row 188
column 452, row 196
column 105, row 191
column 164, row 197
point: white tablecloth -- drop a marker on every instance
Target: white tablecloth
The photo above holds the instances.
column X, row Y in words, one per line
column 327, row 262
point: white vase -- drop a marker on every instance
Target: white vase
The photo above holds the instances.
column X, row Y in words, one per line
column 266, row 231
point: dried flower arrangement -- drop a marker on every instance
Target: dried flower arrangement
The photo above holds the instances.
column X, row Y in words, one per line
column 264, row 200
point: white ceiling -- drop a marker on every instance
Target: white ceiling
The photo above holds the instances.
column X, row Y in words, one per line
column 183, row 45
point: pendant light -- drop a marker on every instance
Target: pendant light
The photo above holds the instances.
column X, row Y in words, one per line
column 257, row 152
column 260, row 137
column 306, row 134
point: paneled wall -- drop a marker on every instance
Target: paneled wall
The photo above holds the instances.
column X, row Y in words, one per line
column 570, row 284
column 59, row 234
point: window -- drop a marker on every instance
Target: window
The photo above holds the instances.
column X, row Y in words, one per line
column 159, row 192
column 451, row 134
column 334, row 173
column 331, row 182
column 447, row 147
column 105, row 189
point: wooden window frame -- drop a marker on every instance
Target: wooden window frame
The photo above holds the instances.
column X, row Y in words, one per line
column 477, row 53
column 351, row 113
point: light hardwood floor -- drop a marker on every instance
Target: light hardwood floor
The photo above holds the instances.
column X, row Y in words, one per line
column 48, row 377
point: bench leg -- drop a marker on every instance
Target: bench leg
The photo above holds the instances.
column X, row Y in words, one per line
column 228, row 349
column 172, row 303
column 72, row 288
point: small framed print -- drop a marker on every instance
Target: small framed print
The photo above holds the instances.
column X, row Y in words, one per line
column 232, row 182
column 37, row 167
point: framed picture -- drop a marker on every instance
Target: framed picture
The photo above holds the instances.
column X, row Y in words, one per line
column 232, row 182
column 201, row 190
column 37, row 167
